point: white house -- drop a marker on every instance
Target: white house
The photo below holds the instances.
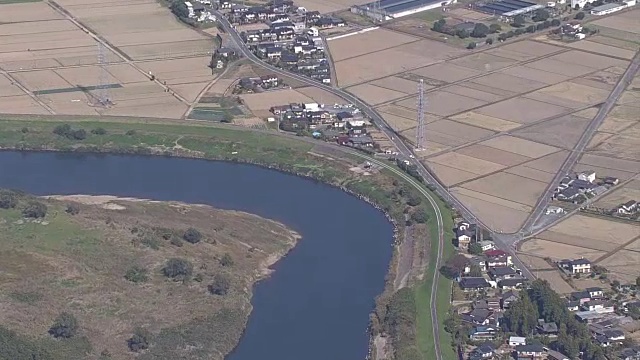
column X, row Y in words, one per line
column 517, row 340
column 577, row 266
column 580, row 3
column 589, row 176
column 487, row 245
column 554, row 210
column 628, row 208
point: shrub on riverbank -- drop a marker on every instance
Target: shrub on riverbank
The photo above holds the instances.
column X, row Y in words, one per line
column 400, row 323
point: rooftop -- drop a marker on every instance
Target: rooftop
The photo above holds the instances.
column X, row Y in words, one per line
column 606, row 7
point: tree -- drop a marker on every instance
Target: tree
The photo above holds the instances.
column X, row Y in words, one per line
column 439, row 25
column 220, row 285
column 79, row 134
column 136, row 274
column 475, row 249
column 472, row 45
column 555, row 22
column 531, row 29
column 179, row 9
column 480, row 30
column 177, row 268
column 579, row 16
column 540, row 26
column 414, row 200
column 454, row 267
column 419, row 216
column 72, row 209
column 62, row 130
column 475, row 271
column 518, row 21
column 546, row 24
column 139, row 341
column 8, row 199
column 226, row 118
column 64, row 326
column 638, row 281
column 541, row 15
column 489, row 41
column 226, row 260
column 494, row 28
column 192, row 235
column 462, row 34
column 35, row 210
column 615, row 284
column 519, row 31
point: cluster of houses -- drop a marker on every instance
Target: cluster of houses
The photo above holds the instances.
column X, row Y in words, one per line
column 257, row 84
column 344, row 124
column 582, row 187
column 292, row 39
column 197, row 11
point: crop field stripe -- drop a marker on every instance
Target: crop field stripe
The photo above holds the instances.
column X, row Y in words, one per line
column 75, row 89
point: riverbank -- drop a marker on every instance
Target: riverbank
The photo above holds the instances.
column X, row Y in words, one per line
column 188, row 139
column 104, row 260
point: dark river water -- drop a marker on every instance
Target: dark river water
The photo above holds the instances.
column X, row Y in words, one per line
column 316, row 304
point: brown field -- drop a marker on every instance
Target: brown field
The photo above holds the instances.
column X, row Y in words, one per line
column 603, row 49
column 36, row 11
column 492, row 154
column 508, row 82
column 367, row 43
column 446, row 72
column 42, row 80
column 578, row 241
column 519, row 146
column 483, row 62
column 7, row 87
column 535, row 74
column 560, row 67
column 448, row 175
column 597, row 229
column 442, row 103
column 473, row 93
column 589, row 60
column 610, row 163
column 562, row 132
column 499, row 214
column 466, row 163
column 20, row 104
column 534, row 262
column 620, row 195
column 265, row 100
column 556, row 281
column 328, row 6
column 320, row 96
column 557, row 251
column 375, row 95
column 484, row 121
column 576, row 92
column 378, row 65
column 534, row 48
column 623, row 265
column 548, row 163
column 84, row 76
column 627, row 21
column 398, row 123
column 513, row 110
column 399, row 84
column 404, row 112
column 189, row 91
column 501, row 185
column 530, row 173
column 489, row 89
column 161, row 107
column 462, row 132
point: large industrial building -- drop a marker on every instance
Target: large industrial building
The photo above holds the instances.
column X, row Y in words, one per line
column 391, row 9
column 509, row 8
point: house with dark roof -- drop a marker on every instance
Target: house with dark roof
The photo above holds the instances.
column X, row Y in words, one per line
column 628, row 208
column 595, row 292
column 531, row 351
column 473, row 284
column 629, row 353
column 511, row 284
column 576, row 266
column 545, row 328
column 502, row 272
column 580, row 296
column 481, row 317
column 573, row 305
column 483, row 352
column 508, row 298
column 481, row 333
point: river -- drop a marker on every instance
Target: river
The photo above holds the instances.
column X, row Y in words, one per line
column 315, row 306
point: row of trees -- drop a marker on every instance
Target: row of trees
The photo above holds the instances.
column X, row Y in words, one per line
column 480, row 30
column 65, row 130
column 540, row 301
column 33, row 209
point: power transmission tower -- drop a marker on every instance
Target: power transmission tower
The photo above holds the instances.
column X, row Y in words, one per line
column 102, row 89
column 420, row 131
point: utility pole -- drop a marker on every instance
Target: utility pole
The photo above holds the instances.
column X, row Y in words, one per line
column 421, row 129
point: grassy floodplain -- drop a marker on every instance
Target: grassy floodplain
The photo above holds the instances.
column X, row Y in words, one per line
column 203, row 140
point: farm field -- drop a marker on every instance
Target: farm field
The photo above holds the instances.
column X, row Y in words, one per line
column 52, row 65
column 497, row 118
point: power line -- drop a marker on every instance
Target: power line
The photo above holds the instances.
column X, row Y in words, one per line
column 421, row 130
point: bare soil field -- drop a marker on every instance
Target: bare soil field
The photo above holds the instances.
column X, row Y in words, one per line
column 522, row 110
column 503, row 185
column 320, row 96
column 576, row 92
column 72, row 103
column 563, row 132
column 549, row 163
column 84, row 76
column 484, row 121
column 375, row 95
column 405, row 57
column 20, row 104
column 7, row 87
column 328, row 6
column 462, row 132
column 603, row 49
column 509, row 82
column 530, row 173
column 448, row 175
column 167, row 107
column 598, row 229
column 189, row 91
column 265, row 100
column 558, row 284
column 125, row 73
column 489, row 89
column 446, row 72
column 466, row 163
column 579, row 241
column 549, row 98
column 191, row 48
column 560, row 67
column 472, row 93
column 533, row 48
column 366, row 43
column 623, row 265
column 620, row 195
column 537, row 75
column 23, row 12
column 483, row 62
column 534, row 262
column 627, row 21
column 399, row 84
column 520, row 146
column 399, row 123
column 442, row 103
column 42, row 80
column 610, row 163
column 634, row 246
column 170, row 69
column 620, row 146
column 492, row 154
column 589, row 60
column 619, row 43
column 498, row 214
column 622, row 175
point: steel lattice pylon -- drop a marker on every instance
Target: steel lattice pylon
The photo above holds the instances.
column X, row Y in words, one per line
column 420, row 131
